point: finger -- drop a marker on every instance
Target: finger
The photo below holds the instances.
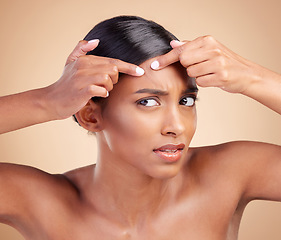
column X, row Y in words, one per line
column 109, row 69
column 208, row 80
column 81, row 49
column 113, row 73
column 102, row 80
column 95, row 91
column 86, row 78
column 105, row 64
column 200, row 69
column 179, row 48
column 191, row 55
column 127, row 68
column 166, row 59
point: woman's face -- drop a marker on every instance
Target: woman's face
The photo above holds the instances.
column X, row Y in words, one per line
column 149, row 121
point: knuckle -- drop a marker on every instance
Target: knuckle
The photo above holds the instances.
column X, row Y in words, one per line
column 107, row 82
column 105, row 77
column 217, row 51
column 112, row 69
column 184, row 60
column 90, row 90
column 208, row 39
column 223, row 76
column 81, row 42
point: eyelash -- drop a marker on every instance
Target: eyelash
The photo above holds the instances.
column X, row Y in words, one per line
column 140, row 102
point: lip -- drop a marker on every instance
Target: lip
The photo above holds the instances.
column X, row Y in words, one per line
column 170, row 152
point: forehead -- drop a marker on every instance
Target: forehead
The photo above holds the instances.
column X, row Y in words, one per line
column 172, row 77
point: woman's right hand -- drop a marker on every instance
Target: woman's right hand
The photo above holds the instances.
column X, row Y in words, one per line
column 84, row 77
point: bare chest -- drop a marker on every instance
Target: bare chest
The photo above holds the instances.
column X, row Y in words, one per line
column 183, row 222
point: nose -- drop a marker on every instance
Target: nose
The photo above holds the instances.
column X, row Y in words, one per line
column 173, row 124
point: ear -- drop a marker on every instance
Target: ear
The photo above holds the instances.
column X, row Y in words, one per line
column 90, row 117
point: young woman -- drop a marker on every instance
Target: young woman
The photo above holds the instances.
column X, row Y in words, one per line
column 147, row 182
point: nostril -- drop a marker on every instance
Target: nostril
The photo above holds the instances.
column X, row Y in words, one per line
column 170, row 133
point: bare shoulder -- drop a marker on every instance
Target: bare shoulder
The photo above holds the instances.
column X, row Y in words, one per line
column 25, row 190
column 237, row 152
column 239, row 165
column 29, row 177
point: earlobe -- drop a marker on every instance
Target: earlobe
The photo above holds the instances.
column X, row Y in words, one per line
column 89, row 117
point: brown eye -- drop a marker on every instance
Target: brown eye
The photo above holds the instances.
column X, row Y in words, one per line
column 148, row 102
column 187, row 101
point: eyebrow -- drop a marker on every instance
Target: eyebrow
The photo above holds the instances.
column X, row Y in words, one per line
column 164, row 93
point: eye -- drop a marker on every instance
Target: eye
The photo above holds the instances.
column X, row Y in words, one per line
column 148, row 102
column 188, row 101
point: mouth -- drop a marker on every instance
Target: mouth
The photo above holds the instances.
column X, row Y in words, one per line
column 170, row 152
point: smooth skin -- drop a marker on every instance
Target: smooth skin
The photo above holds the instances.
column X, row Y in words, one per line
column 214, row 65
column 84, row 77
column 131, row 193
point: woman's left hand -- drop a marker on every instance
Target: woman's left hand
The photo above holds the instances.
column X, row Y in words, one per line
column 214, row 65
column 211, row 63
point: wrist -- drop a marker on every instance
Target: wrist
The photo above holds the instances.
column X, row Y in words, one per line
column 265, row 88
column 43, row 102
column 255, row 80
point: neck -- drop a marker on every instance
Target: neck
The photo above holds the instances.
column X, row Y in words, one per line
column 120, row 188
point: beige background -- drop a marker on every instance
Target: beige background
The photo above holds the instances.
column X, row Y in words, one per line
column 37, row 36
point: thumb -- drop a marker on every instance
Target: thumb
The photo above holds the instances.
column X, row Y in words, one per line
column 81, row 49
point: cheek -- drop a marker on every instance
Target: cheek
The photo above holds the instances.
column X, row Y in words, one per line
column 129, row 128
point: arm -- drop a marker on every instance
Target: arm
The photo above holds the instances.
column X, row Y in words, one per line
column 22, row 110
column 252, row 168
column 214, row 65
column 263, row 163
column 31, row 107
column 83, row 78
column 27, row 194
column 266, row 89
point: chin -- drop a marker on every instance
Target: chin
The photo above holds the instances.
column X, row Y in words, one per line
column 165, row 172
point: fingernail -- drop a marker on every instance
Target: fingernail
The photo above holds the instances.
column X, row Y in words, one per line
column 154, row 65
column 178, row 43
column 107, row 94
column 93, row 41
column 139, row 71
